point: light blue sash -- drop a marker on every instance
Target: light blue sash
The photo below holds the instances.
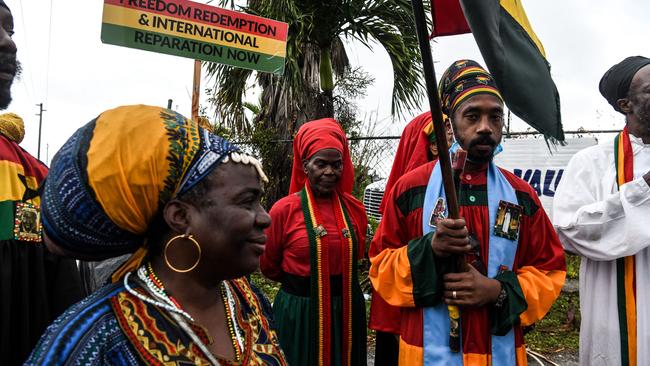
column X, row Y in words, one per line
column 501, row 252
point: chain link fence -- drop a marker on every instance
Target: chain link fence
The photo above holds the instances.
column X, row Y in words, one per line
column 374, row 153
column 373, row 158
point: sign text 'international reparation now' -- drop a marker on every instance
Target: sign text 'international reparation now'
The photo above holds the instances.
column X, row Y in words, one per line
column 189, row 29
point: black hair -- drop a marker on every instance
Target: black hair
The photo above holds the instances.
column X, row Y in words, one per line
column 196, row 196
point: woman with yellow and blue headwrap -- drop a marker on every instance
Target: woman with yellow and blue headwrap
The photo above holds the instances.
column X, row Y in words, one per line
column 147, row 180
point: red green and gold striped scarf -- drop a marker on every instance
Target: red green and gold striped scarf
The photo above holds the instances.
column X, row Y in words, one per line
column 321, row 311
column 625, row 268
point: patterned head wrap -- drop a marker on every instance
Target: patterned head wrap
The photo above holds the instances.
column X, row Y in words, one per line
column 463, row 80
column 12, row 127
column 114, row 174
column 615, row 84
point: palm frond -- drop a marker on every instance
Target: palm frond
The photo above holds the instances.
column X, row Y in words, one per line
column 390, row 23
column 231, row 85
column 293, row 98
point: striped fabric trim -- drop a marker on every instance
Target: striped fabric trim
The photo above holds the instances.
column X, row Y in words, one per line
column 321, row 317
column 470, row 70
column 343, row 220
column 424, row 274
column 520, row 354
column 411, row 200
column 625, row 267
column 530, row 206
column 429, row 130
column 320, row 290
column 466, row 94
column 502, row 251
column 476, row 195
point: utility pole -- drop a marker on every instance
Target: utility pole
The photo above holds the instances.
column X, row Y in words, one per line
column 40, row 126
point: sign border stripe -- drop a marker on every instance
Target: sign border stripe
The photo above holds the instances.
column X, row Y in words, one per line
column 124, row 36
column 282, row 27
column 129, row 18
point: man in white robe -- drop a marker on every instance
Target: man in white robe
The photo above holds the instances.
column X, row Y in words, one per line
column 609, row 227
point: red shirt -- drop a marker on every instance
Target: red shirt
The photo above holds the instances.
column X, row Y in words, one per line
column 287, row 248
column 538, row 247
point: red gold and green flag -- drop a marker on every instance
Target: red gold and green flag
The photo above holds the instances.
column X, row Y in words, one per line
column 197, row 31
column 626, row 266
column 513, row 54
column 21, row 176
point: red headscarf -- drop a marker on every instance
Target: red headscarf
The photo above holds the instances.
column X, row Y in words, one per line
column 326, row 134
column 413, row 150
column 315, row 136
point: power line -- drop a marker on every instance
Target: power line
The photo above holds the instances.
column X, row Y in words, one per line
column 40, row 125
column 24, row 69
column 49, row 47
column 24, row 82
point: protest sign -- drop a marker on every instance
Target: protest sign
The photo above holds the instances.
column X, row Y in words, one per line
column 189, row 29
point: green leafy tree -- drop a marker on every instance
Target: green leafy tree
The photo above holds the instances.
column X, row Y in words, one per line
column 316, row 60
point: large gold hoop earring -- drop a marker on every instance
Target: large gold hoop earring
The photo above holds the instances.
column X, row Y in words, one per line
column 190, row 238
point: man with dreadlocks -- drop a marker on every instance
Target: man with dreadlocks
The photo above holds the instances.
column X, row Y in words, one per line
column 35, row 285
column 516, row 263
column 601, row 210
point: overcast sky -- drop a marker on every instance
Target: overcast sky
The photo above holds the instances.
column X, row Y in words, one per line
column 67, row 68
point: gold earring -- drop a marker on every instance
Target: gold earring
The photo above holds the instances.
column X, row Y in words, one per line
column 190, row 238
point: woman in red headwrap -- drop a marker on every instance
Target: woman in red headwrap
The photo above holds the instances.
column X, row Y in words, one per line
column 316, row 237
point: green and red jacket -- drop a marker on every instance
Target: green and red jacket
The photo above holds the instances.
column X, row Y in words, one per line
column 407, row 274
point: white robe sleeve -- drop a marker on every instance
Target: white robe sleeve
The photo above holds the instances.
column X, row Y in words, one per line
column 594, row 222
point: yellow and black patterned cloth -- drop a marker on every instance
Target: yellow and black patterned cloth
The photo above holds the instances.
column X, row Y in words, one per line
column 463, row 80
column 113, row 327
column 111, row 177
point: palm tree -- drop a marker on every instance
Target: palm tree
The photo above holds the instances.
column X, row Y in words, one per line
column 316, row 55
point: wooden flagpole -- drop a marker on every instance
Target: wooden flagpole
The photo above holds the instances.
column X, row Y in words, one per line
column 196, row 90
column 443, row 149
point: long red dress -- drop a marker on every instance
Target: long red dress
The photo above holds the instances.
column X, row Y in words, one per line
column 286, row 259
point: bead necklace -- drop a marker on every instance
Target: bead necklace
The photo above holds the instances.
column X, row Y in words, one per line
column 171, row 308
column 155, row 286
column 228, row 303
column 158, row 283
